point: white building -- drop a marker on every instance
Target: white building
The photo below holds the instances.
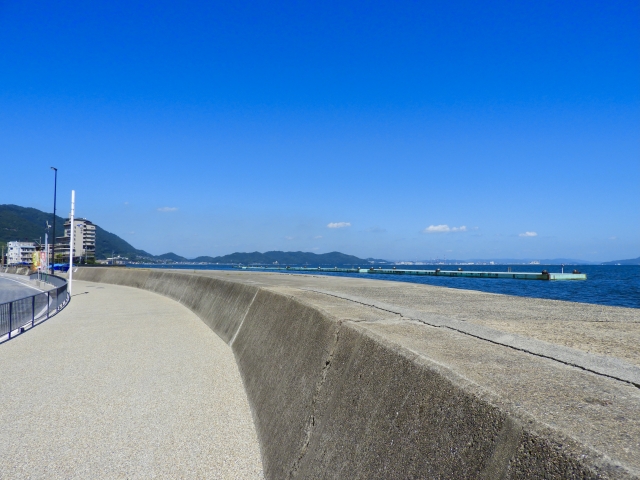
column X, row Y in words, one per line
column 20, row 252
column 84, row 240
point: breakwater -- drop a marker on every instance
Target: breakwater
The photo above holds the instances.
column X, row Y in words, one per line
column 21, row 270
column 544, row 275
column 357, row 379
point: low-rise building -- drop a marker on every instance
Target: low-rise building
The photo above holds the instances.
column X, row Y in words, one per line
column 117, row 260
column 20, row 252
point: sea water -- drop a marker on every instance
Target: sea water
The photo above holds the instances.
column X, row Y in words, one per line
column 614, row 285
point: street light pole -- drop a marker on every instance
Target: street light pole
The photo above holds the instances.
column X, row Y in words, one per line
column 71, row 240
column 53, row 242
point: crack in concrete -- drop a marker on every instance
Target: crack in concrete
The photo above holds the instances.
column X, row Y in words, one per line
column 632, row 372
column 311, row 423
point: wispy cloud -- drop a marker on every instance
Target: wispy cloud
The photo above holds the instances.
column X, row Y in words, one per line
column 289, row 238
column 167, row 209
column 444, row 229
column 317, row 237
column 613, row 238
column 339, row 225
column 528, row 234
column 376, row 230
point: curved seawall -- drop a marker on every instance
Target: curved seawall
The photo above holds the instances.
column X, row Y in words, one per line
column 370, row 379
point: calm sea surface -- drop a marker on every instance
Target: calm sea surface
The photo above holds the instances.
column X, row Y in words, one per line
column 616, row 285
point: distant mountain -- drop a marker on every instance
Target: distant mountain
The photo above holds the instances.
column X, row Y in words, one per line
column 29, row 224
column 631, row 261
column 26, row 224
column 377, row 260
column 108, row 243
column 172, row 257
column 289, row 258
column 566, row 261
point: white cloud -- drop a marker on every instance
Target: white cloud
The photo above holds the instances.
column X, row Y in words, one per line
column 444, row 229
column 437, row 229
column 168, row 209
column 528, row 234
column 318, row 236
column 339, row 225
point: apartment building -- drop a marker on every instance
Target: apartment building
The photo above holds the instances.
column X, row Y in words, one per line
column 84, row 240
column 20, row 253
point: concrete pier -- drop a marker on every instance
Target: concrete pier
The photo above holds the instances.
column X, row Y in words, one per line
column 432, row 273
column 123, row 383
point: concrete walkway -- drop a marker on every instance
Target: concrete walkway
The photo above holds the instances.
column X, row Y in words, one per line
column 13, row 287
column 123, row 384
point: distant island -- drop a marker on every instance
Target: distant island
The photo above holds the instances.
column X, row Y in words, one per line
column 631, row 261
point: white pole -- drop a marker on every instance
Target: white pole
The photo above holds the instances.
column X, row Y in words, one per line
column 71, row 245
column 46, row 251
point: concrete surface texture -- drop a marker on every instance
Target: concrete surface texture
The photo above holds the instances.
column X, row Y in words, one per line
column 123, row 383
column 351, row 378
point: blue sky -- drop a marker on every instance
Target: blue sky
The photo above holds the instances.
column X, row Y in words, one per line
column 400, row 130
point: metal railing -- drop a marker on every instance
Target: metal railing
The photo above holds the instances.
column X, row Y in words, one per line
column 18, row 315
column 48, row 278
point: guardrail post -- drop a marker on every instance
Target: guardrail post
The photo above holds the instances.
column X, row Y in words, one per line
column 10, row 315
column 48, row 303
column 33, row 310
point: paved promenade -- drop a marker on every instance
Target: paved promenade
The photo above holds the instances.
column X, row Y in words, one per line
column 123, row 384
column 13, row 287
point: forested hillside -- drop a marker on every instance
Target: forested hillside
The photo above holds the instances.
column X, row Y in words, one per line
column 30, row 224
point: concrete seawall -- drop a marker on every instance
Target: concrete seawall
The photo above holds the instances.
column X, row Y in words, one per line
column 359, row 379
column 15, row 270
